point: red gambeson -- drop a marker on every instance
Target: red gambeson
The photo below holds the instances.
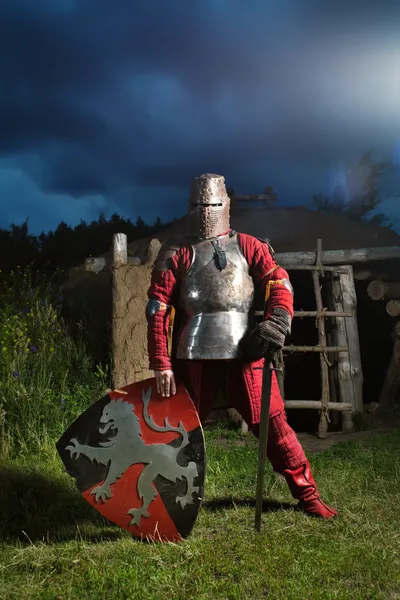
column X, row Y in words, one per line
column 243, row 379
column 164, row 287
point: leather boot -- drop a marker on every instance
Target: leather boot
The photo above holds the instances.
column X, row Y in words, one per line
column 303, row 487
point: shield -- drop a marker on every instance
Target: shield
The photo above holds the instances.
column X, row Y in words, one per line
column 139, row 459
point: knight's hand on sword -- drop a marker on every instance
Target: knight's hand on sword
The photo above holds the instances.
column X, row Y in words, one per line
column 166, row 385
column 268, row 337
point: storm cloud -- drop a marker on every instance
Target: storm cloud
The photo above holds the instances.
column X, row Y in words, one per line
column 116, row 106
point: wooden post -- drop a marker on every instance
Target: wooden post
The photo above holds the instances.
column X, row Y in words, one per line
column 351, row 325
column 154, row 249
column 349, row 363
column 339, row 335
column 120, row 259
column 120, row 250
column 324, row 417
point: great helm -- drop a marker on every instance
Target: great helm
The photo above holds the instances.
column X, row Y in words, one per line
column 209, row 206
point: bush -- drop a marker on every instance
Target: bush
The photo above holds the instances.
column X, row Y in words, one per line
column 47, row 377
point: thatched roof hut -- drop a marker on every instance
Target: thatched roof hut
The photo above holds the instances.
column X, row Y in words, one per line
column 292, row 229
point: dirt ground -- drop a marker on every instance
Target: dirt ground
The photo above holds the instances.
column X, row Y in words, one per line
column 312, row 444
column 372, row 425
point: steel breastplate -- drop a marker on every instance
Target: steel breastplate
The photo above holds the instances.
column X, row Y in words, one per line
column 217, row 302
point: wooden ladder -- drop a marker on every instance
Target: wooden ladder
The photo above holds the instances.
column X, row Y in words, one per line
column 341, row 382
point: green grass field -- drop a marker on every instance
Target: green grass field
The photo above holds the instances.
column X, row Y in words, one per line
column 55, row 546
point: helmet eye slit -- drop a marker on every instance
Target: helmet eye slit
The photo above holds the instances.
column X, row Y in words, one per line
column 205, row 204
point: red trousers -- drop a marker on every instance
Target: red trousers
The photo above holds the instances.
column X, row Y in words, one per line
column 242, row 384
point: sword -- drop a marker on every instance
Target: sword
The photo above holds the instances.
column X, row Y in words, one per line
column 263, row 437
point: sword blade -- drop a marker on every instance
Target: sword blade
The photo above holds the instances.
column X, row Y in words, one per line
column 263, row 438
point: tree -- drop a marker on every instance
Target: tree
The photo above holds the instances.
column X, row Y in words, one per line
column 67, row 246
column 359, row 195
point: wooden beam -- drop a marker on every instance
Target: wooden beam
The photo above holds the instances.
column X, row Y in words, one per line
column 339, row 257
column 317, row 404
column 384, row 290
column 329, row 268
column 322, row 313
column 328, row 349
column 311, row 313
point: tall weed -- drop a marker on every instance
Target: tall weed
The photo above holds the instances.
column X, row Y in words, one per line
column 46, row 376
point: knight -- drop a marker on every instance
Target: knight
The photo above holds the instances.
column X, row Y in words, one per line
column 204, row 288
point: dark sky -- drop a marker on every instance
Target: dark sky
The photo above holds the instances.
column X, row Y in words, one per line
column 115, row 105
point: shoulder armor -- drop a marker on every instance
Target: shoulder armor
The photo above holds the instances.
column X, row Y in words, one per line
column 167, row 251
column 153, row 306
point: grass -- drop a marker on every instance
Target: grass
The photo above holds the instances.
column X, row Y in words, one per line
column 47, row 377
column 55, row 546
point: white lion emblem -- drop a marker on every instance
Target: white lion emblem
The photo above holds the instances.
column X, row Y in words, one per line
column 127, row 449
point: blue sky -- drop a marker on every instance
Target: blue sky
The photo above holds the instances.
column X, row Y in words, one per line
column 115, row 106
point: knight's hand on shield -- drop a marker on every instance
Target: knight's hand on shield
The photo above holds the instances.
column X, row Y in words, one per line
column 268, row 337
column 165, row 381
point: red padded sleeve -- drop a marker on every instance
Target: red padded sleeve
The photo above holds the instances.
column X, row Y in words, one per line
column 266, row 272
column 164, row 287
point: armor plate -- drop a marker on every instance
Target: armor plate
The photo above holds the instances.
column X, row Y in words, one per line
column 218, row 304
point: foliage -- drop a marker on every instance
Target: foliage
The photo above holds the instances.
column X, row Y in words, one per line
column 56, row 546
column 46, row 376
column 359, row 195
column 66, row 246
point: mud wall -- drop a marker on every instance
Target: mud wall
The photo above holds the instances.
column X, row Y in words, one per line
column 129, row 330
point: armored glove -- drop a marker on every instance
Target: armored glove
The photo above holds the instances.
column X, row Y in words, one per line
column 268, row 337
